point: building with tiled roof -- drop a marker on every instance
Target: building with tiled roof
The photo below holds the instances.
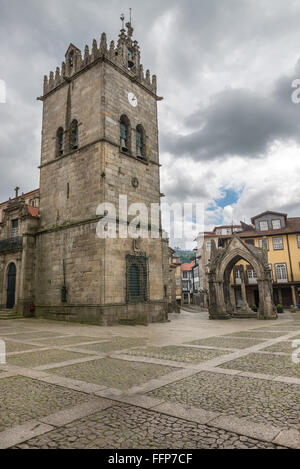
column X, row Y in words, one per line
column 283, row 240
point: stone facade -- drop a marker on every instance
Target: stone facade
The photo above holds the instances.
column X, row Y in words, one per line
column 17, row 251
column 75, row 274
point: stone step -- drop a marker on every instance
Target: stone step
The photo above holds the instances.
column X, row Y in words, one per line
column 8, row 314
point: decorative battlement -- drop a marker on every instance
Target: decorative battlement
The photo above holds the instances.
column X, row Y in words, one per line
column 125, row 54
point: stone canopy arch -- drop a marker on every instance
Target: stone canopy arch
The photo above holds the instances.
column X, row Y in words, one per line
column 222, row 262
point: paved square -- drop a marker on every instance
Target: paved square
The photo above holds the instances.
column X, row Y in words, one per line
column 227, row 342
column 18, row 347
column 114, row 373
column 178, row 353
column 258, row 334
column 284, row 327
column 68, row 340
column 266, row 363
column 128, row 427
column 254, row 399
column 24, row 399
column 202, row 401
column 45, row 357
column 283, row 347
column 117, row 343
column 30, row 335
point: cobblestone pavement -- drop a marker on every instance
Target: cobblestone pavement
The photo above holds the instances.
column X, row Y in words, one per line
column 254, row 399
column 18, row 347
column 204, row 401
column 126, row 427
column 61, row 341
column 24, row 399
column 284, row 327
column 266, row 334
column 227, row 342
column 39, row 358
column 117, row 343
column 113, row 373
column 283, row 347
column 266, row 363
column 28, row 335
column 178, row 353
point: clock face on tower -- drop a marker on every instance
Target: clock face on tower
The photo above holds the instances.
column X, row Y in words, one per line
column 132, row 99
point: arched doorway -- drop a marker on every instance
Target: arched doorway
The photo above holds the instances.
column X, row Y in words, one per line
column 11, row 286
column 241, row 292
column 222, row 262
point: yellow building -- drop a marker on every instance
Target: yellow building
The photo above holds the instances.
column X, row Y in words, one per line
column 282, row 235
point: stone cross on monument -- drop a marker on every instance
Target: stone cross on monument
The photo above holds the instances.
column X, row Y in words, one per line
column 17, row 191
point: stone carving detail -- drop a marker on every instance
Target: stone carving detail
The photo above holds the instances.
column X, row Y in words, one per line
column 137, row 245
column 135, row 182
column 222, row 303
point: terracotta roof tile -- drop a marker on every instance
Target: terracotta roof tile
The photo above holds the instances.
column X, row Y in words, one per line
column 34, row 211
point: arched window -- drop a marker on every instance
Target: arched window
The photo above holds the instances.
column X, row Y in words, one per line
column 137, row 279
column 74, row 135
column 60, row 141
column 71, row 59
column 125, row 133
column 140, row 142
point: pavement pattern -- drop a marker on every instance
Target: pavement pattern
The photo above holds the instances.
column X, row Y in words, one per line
column 189, row 383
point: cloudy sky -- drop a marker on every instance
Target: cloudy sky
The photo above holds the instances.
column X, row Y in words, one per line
column 229, row 132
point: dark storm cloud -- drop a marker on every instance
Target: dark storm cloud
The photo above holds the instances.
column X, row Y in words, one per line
column 35, row 34
column 239, row 122
column 184, row 189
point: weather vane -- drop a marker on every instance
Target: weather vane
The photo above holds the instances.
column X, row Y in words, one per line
column 122, row 18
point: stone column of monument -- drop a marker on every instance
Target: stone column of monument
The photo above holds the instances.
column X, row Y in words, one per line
column 244, row 311
column 232, row 298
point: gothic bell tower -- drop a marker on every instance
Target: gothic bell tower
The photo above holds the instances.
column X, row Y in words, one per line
column 99, row 142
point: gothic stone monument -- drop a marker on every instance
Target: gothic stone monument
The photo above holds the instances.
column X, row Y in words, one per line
column 222, row 302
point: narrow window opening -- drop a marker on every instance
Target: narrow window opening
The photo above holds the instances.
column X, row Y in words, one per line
column 74, row 135
column 60, row 141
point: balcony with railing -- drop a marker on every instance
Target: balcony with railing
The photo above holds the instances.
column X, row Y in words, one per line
column 11, row 244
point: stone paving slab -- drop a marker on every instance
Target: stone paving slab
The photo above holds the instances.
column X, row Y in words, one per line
column 128, row 427
column 30, row 335
column 266, row 363
column 45, row 357
column 227, row 342
column 68, row 340
column 117, row 343
column 257, row 334
column 24, row 399
column 285, row 327
column 114, row 373
column 178, row 353
column 259, row 431
column 18, row 346
column 66, row 416
column 290, row 438
column 260, row 401
column 18, row 434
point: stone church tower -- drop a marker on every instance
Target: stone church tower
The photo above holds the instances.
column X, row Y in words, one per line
column 99, row 141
